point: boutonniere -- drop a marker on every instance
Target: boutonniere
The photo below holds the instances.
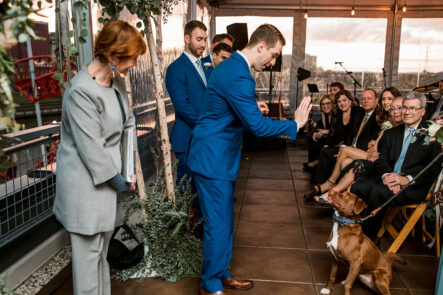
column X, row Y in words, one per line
column 207, row 65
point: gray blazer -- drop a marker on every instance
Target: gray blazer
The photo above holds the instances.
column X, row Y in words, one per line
column 90, row 154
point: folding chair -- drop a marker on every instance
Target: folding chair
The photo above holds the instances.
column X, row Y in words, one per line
column 411, row 220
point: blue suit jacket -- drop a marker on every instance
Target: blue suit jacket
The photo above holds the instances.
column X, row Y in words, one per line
column 187, row 90
column 230, row 107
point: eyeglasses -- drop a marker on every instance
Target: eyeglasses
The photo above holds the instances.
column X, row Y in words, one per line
column 411, row 109
column 395, row 109
column 325, row 104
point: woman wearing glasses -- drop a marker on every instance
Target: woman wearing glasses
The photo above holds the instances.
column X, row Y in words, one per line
column 317, row 139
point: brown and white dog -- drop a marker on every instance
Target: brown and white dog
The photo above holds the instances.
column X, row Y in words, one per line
column 352, row 248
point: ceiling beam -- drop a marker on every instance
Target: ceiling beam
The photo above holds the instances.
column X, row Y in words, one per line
column 331, row 7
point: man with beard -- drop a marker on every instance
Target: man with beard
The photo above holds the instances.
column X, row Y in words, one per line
column 215, row 149
column 186, row 82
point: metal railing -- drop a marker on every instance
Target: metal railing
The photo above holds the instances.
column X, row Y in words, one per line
column 27, row 187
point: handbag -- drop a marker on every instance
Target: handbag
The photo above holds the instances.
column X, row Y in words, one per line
column 119, row 256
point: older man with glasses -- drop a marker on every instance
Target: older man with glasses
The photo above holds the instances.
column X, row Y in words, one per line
column 399, row 162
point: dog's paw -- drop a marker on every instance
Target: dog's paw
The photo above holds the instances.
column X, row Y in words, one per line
column 325, row 291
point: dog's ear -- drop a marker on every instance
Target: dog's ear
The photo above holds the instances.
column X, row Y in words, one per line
column 359, row 205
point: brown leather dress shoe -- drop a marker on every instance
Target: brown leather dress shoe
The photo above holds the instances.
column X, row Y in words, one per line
column 221, row 292
column 237, row 284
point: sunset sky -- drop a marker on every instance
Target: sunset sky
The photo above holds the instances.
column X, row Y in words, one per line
column 358, row 42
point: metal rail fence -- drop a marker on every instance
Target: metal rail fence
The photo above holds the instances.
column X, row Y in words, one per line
column 27, row 187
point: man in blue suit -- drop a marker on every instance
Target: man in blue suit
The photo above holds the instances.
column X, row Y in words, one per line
column 221, row 52
column 219, row 38
column 186, row 84
column 214, row 153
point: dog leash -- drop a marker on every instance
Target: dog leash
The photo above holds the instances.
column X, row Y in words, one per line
column 375, row 211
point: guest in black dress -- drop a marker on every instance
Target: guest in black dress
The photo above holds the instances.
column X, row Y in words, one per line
column 317, row 138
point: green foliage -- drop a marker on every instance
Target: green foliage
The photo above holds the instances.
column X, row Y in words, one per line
column 167, row 231
column 68, row 51
column 14, row 26
column 4, row 290
column 144, row 9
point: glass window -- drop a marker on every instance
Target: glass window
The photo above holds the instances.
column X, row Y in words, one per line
column 359, row 43
column 421, row 47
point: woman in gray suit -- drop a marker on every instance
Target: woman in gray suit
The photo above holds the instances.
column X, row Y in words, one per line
column 95, row 113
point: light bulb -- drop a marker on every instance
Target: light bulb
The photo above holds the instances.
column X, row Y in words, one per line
column 353, row 11
column 306, row 13
column 404, row 8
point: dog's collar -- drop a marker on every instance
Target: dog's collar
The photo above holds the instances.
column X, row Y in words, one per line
column 342, row 221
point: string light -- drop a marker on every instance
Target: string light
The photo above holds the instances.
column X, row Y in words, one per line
column 404, row 7
column 306, row 14
column 353, row 11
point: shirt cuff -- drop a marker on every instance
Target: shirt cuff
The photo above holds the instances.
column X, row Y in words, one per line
column 410, row 178
column 383, row 176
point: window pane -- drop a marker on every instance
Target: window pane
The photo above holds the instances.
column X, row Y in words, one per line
column 421, row 47
column 357, row 42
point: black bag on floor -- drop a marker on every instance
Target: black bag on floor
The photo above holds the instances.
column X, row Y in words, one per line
column 119, row 256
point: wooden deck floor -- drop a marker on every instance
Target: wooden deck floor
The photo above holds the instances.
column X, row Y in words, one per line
column 280, row 238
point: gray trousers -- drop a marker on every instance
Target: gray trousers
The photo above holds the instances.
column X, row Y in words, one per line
column 90, row 270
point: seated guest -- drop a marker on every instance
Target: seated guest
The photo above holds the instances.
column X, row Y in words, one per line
column 433, row 109
column 349, row 153
column 219, row 38
column 362, row 130
column 399, row 161
column 317, row 139
column 335, row 87
column 363, row 168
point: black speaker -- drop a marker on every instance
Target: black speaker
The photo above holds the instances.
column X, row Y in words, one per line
column 277, row 66
column 240, row 32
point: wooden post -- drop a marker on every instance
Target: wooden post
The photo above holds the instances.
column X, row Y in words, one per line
column 159, row 96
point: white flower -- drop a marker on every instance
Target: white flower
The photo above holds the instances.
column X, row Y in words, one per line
column 207, row 65
column 433, row 129
column 386, row 125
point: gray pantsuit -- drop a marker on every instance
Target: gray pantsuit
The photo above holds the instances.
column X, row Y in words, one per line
column 88, row 156
column 89, row 264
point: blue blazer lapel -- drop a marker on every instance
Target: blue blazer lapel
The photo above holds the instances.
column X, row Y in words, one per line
column 192, row 68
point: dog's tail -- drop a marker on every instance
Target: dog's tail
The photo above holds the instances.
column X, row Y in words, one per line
column 395, row 257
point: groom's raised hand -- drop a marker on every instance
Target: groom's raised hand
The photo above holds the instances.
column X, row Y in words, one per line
column 301, row 114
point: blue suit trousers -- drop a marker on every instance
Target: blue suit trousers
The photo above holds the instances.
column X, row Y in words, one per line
column 184, row 171
column 217, row 205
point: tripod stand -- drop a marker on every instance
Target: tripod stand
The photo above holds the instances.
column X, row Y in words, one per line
column 350, row 75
